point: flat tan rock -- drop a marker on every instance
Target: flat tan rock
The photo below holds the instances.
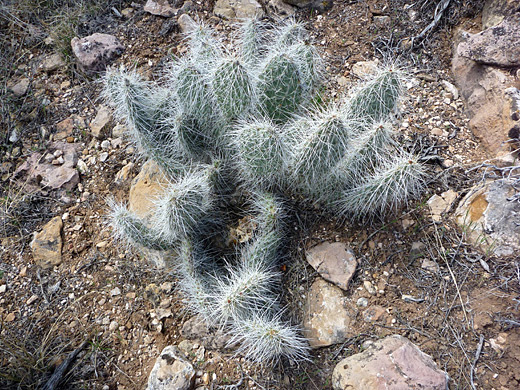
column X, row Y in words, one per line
column 47, row 244
column 328, row 317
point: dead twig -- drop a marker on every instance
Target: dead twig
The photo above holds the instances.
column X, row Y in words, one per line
column 477, row 355
column 62, row 369
column 439, row 11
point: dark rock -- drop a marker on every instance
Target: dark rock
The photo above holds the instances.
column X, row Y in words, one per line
column 318, row 5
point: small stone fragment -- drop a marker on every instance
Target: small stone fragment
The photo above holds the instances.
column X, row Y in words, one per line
column 100, row 126
column 52, row 63
column 186, row 23
column 159, row 8
column 20, row 88
column 369, row 287
column 171, row 371
column 115, row 291
column 124, row 174
column 430, row 266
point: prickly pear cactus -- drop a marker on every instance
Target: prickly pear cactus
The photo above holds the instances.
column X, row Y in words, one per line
column 247, row 123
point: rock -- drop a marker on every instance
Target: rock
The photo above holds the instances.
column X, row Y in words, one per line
column 52, row 63
column 43, row 174
column 197, row 329
column 374, row 313
column 327, row 320
column 115, row 292
column 362, row 302
column 124, row 173
column 105, row 145
column 159, row 8
column 82, row 167
column 238, row 9
column 119, row 130
column 495, row 11
column 47, row 245
column 418, row 250
column 369, row 287
column 96, row 51
column 451, row 89
column 319, row 5
column 20, row 87
column 168, row 26
column 490, row 217
column 482, row 88
column 382, row 21
column 362, row 69
column 171, row 371
column 146, row 187
column 100, row 126
column 441, row 204
column 279, row 7
column 65, row 128
column 430, row 266
column 187, row 24
column 103, row 157
column 127, row 12
column 499, row 45
column 335, row 262
column 393, row 363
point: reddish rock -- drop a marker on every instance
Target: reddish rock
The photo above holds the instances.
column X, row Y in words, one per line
column 393, row 363
column 482, row 88
column 96, row 51
column 335, row 262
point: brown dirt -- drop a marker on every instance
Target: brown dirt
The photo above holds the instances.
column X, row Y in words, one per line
column 76, row 302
